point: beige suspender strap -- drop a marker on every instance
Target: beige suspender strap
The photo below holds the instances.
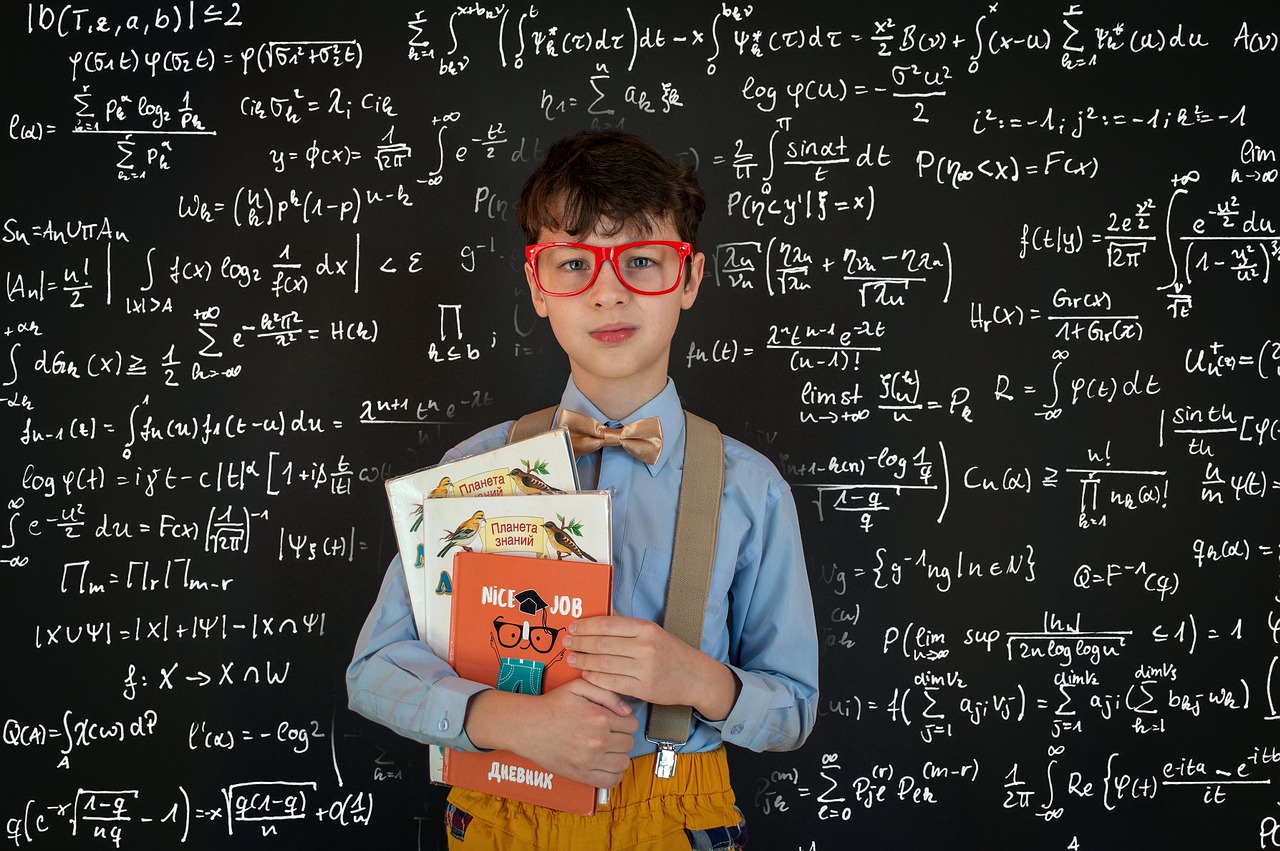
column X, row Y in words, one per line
column 693, row 554
column 692, row 557
column 531, row 424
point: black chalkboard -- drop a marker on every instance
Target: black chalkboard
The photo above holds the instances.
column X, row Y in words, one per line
column 993, row 284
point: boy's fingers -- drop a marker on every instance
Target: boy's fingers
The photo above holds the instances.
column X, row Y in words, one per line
column 602, row 697
column 600, row 625
column 601, row 663
column 613, row 682
column 595, row 645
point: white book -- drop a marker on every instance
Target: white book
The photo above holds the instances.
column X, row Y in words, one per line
column 546, row 458
column 556, row 527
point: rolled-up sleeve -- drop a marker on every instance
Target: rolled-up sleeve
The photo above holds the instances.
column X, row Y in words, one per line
column 396, row 680
column 773, row 638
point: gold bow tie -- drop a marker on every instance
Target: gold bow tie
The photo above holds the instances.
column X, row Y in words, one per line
column 642, row 438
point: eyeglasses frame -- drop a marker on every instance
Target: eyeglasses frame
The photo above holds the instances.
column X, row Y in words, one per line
column 607, row 254
column 555, row 631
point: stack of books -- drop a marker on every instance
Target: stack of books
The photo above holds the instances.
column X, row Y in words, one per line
column 501, row 552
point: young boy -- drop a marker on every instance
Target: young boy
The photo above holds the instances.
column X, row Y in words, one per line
column 613, row 306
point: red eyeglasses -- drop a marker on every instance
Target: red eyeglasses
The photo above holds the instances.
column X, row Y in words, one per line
column 648, row 267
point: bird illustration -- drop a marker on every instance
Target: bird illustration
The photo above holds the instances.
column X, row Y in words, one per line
column 461, row 536
column 443, row 489
column 563, row 542
column 530, row 483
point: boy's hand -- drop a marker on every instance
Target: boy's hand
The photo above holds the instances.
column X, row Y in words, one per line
column 640, row 659
column 586, row 733
column 579, row 730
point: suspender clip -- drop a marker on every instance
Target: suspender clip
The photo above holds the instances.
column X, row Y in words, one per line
column 665, row 766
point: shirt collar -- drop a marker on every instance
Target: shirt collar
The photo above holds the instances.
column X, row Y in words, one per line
column 665, row 406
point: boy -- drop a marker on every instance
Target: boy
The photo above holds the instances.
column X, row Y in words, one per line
column 612, row 225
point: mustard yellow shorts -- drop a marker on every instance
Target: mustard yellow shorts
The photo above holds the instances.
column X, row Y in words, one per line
column 694, row 809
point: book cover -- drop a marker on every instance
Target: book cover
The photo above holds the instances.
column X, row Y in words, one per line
column 550, row 526
column 579, row 528
column 509, row 615
column 542, row 463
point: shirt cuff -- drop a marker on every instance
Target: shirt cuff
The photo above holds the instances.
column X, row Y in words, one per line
column 447, row 712
column 738, row 727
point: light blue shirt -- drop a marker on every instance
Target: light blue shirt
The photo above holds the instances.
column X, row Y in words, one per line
column 759, row 612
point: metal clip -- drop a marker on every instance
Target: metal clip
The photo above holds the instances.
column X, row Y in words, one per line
column 665, row 766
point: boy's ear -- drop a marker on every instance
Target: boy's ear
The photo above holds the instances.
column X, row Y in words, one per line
column 535, row 294
column 697, row 264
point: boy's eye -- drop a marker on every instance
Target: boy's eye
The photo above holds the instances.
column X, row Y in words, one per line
column 576, row 264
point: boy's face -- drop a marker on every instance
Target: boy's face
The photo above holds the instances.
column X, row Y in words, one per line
column 618, row 341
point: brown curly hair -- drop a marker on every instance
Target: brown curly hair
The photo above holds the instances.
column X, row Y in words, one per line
column 611, row 180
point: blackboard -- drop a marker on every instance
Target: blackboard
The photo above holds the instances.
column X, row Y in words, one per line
column 993, row 284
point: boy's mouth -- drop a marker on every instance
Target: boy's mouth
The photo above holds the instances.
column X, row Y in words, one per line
column 614, row 333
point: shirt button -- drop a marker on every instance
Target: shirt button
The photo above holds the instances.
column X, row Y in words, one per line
column 737, row 728
column 444, row 725
column 613, row 491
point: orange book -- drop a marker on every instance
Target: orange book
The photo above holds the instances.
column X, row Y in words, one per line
column 509, row 615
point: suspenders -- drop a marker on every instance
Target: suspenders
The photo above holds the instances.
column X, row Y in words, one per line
column 692, row 556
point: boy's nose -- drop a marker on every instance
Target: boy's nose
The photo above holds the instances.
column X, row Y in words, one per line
column 608, row 287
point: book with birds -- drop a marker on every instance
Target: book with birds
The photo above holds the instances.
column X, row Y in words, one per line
column 542, row 464
column 556, row 526
column 510, row 614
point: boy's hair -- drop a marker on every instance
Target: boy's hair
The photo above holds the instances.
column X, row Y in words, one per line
column 611, row 180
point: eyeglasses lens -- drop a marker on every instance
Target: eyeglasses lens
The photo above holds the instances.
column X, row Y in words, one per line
column 542, row 638
column 508, row 634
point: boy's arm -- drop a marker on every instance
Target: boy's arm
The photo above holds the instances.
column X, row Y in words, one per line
column 578, row 730
column 773, row 637
column 396, row 680
column 638, row 658
column 766, row 697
